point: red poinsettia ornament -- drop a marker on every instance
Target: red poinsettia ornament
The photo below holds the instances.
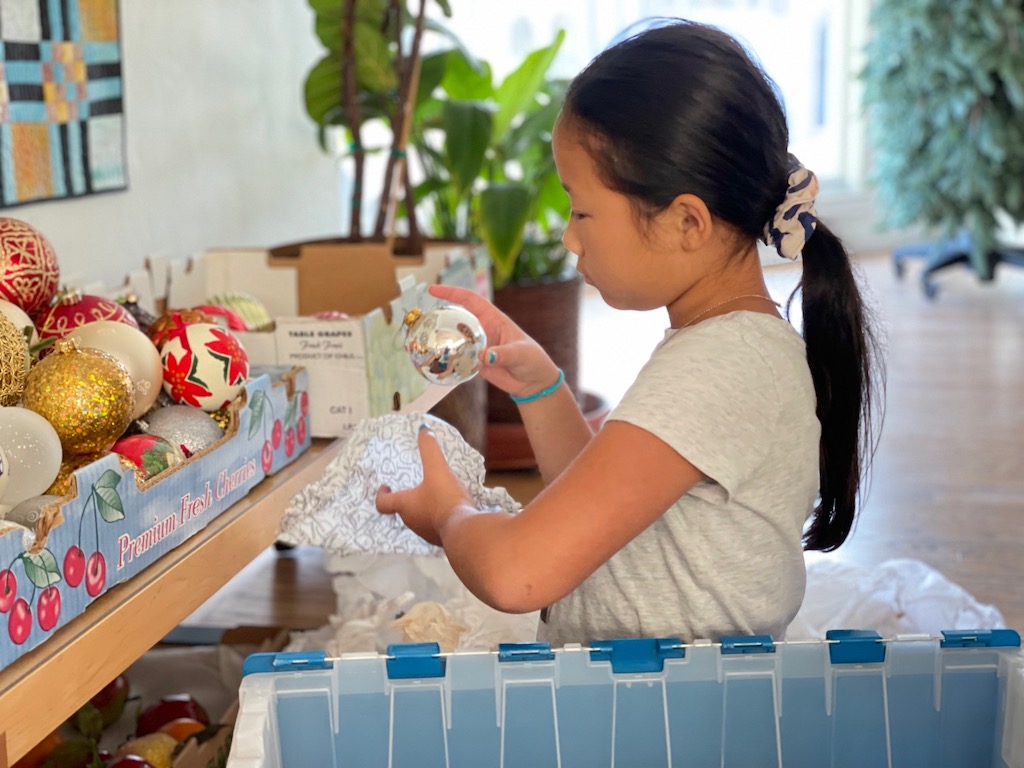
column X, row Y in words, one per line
column 29, row 275
column 70, row 309
column 205, row 366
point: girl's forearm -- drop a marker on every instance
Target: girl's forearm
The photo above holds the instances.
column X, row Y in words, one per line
column 557, row 430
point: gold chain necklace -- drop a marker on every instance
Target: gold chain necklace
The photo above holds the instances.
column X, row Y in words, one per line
column 701, row 314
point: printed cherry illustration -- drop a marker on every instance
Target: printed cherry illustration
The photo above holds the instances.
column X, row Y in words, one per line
column 275, row 434
column 20, row 622
column 48, row 608
column 267, row 456
column 8, row 590
column 300, row 430
column 289, row 441
column 304, row 403
column 74, row 565
column 95, row 574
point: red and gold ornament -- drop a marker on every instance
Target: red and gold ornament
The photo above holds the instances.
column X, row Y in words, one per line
column 149, row 454
column 70, row 309
column 29, row 275
column 204, row 366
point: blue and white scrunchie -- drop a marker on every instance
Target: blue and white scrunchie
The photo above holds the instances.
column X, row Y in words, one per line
column 795, row 219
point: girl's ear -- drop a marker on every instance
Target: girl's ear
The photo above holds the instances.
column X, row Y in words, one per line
column 690, row 220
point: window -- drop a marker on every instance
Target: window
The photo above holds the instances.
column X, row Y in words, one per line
column 807, row 46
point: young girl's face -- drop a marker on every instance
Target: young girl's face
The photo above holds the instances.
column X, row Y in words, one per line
column 631, row 269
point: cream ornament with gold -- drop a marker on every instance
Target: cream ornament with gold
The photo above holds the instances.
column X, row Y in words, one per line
column 204, row 366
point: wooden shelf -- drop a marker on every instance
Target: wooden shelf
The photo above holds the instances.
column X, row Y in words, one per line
column 45, row 686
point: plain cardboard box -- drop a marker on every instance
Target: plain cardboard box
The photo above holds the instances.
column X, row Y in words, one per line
column 357, row 366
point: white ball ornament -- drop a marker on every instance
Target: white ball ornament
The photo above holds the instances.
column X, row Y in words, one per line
column 204, row 366
column 33, row 452
column 134, row 350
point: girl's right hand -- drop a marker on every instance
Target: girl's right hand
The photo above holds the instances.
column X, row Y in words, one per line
column 513, row 361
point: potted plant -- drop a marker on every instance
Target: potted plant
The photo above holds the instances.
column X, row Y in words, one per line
column 484, row 148
column 944, row 86
column 370, row 71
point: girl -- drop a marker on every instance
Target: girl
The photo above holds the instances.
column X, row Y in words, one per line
column 739, row 443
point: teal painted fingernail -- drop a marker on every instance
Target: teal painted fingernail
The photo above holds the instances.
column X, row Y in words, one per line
column 424, row 426
column 492, row 356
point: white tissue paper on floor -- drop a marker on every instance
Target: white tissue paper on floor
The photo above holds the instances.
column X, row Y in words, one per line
column 901, row 596
column 384, row 599
column 339, row 512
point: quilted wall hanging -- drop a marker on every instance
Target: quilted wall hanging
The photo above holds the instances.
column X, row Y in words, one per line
column 61, row 100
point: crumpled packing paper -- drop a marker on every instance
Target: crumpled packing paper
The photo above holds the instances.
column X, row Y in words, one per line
column 898, row 596
column 339, row 512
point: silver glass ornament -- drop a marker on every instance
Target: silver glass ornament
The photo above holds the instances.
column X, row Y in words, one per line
column 30, row 511
column 445, row 343
column 191, row 428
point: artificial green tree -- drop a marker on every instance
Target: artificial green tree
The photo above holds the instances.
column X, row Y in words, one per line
column 944, row 88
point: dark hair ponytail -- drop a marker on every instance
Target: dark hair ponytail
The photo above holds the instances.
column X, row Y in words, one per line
column 841, row 353
column 682, row 108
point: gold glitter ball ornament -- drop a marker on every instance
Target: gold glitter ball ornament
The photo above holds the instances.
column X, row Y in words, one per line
column 87, row 396
column 14, row 362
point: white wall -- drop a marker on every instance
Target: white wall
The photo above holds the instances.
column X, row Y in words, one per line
column 220, row 150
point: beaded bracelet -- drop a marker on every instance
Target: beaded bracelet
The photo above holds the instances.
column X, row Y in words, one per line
column 542, row 393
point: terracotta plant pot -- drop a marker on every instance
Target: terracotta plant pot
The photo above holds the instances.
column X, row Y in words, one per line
column 548, row 311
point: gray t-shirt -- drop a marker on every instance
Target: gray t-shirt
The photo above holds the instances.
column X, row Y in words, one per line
column 734, row 396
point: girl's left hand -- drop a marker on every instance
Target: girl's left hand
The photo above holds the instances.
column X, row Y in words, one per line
column 425, row 508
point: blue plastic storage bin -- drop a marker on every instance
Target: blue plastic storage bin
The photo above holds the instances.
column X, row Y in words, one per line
column 852, row 700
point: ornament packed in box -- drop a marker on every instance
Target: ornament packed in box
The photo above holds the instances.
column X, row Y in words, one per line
column 121, row 435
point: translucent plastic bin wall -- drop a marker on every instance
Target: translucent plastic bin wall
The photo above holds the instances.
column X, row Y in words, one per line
column 853, row 701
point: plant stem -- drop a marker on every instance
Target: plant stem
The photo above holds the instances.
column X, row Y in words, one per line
column 354, row 114
column 398, row 121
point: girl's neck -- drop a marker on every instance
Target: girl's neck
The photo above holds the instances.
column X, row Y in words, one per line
column 738, row 285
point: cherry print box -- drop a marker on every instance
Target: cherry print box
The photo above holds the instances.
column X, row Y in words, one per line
column 110, row 527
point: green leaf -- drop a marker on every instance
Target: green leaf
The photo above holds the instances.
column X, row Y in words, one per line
column 257, row 403
column 466, row 78
column 467, row 128
column 323, row 89
column 374, row 70
column 108, row 503
column 520, row 88
column 42, row 569
column 109, row 479
column 502, row 215
column 432, row 70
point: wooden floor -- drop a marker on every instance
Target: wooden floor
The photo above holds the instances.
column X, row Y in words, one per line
column 948, row 481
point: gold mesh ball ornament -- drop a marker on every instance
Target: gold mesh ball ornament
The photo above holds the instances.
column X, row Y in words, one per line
column 14, row 362
column 87, row 396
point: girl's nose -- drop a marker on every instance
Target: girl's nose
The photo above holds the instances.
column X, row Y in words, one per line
column 570, row 240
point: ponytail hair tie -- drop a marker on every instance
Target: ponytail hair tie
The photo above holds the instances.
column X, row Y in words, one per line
column 795, row 219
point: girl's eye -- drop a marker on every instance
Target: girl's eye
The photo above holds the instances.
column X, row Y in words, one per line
column 579, row 216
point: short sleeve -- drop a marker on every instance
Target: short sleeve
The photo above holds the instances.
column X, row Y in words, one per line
column 712, row 397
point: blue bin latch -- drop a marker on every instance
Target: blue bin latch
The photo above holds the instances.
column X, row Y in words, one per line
column 980, row 638
column 407, row 661
column 525, row 652
column 286, row 662
column 855, row 646
column 746, row 644
column 637, row 655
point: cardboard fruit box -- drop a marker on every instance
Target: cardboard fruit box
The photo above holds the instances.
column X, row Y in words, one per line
column 357, row 366
column 110, row 525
